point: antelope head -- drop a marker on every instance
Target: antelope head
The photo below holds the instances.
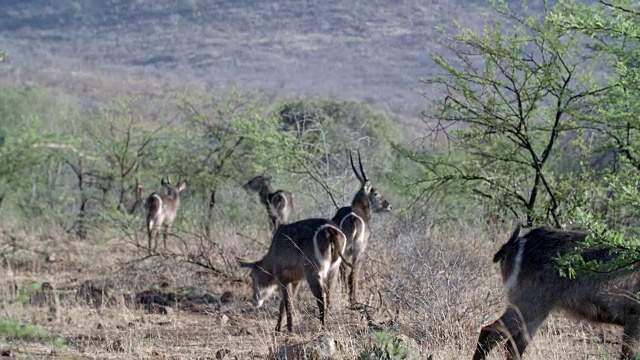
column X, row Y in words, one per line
column 378, row 203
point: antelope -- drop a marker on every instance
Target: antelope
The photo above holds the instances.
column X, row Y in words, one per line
column 162, row 210
column 534, row 288
column 354, row 222
column 279, row 203
column 310, row 249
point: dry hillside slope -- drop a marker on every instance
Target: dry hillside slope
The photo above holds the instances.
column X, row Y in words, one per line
column 373, row 51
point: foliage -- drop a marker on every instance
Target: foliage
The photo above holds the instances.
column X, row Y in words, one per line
column 26, row 291
column 510, row 93
column 13, row 329
column 27, row 166
column 613, row 30
column 621, row 243
column 78, row 169
column 384, row 346
column 345, row 123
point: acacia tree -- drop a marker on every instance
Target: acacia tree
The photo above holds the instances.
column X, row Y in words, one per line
column 613, row 30
column 508, row 94
column 123, row 140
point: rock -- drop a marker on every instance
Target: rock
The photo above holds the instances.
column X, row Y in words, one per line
column 6, row 352
column 201, row 299
column 159, row 309
column 223, row 354
column 226, row 297
column 320, row 348
column 224, row 320
column 147, row 297
column 51, row 258
column 209, row 299
column 94, row 293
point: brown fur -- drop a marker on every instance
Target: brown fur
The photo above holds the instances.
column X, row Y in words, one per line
column 162, row 210
column 539, row 289
column 292, row 258
column 365, row 202
column 279, row 203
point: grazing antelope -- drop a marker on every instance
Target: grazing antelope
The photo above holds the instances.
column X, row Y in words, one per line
column 535, row 288
column 162, row 210
column 279, row 203
column 354, row 222
column 309, row 249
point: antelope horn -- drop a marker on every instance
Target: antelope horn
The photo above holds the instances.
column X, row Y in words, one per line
column 354, row 169
column 364, row 177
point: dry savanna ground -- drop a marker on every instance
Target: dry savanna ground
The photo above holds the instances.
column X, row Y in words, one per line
column 431, row 285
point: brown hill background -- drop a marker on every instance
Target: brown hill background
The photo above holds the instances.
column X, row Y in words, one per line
column 372, row 51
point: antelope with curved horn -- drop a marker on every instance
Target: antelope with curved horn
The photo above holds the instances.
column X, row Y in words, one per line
column 534, row 288
column 354, row 222
column 162, row 210
column 309, row 249
column 279, row 203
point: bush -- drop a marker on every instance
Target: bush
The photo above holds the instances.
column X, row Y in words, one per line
column 384, row 346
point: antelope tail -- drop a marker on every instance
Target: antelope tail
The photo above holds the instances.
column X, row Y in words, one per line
column 337, row 248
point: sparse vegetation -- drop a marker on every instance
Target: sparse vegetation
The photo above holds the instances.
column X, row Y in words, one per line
column 384, row 347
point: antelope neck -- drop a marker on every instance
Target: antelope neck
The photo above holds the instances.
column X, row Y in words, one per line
column 264, row 192
column 173, row 194
column 361, row 206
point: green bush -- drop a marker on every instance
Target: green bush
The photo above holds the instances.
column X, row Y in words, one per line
column 384, row 346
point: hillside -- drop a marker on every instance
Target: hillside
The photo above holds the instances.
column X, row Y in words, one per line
column 373, row 51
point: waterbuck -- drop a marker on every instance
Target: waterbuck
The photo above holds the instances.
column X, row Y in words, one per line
column 534, row 288
column 354, row 222
column 162, row 210
column 279, row 203
column 308, row 249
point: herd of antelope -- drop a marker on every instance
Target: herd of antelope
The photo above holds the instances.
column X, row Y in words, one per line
column 318, row 250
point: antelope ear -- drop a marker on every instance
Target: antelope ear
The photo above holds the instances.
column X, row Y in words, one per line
column 182, row 185
column 245, row 263
column 367, row 186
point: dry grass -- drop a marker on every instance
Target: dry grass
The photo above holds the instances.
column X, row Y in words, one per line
column 441, row 289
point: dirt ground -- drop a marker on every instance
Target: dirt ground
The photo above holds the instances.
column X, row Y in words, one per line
column 109, row 300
